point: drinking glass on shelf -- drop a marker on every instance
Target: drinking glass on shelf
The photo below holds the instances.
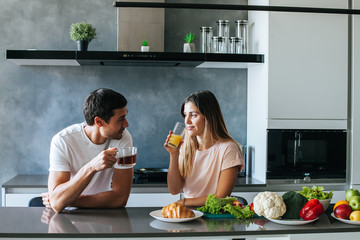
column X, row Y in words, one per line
column 125, row 157
column 177, row 135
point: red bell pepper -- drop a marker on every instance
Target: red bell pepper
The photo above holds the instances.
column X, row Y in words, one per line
column 311, row 210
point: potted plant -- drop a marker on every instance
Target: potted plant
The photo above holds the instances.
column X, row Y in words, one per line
column 189, row 46
column 82, row 33
column 145, row 46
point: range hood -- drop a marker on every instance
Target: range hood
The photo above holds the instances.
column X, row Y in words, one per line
column 156, row 59
column 118, row 58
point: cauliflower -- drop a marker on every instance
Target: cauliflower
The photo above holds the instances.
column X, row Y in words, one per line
column 269, row 204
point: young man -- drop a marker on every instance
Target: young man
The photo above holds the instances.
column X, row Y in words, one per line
column 82, row 157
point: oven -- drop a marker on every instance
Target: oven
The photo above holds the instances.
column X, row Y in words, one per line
column 306, row 154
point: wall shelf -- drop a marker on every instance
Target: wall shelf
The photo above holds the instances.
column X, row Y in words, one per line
column 237, row 7
column 115, row 58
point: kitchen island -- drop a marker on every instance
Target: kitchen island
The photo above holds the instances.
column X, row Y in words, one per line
column 136, row 223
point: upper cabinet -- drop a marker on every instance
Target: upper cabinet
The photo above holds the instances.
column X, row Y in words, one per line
column 308, row 63
column 306, row 72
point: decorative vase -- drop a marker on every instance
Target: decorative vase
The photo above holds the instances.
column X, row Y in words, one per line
column 189, row 47
column 145, row 48
column 82, row 45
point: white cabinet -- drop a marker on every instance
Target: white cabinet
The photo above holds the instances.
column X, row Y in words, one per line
column 151, row 199
column 20, row 197
column 355, row 108
column 308, row 63
column 303, row 83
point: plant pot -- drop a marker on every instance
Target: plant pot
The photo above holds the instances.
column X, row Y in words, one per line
column 82, row 45
column 145, row 48
column 189, row 47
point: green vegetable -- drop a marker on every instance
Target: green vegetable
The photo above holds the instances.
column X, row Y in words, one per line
column 216, row 205
column 294, row 203
column 239, row 212
column 316, row 193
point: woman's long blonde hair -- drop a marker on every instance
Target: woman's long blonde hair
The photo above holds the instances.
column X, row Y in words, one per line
column 215, row 128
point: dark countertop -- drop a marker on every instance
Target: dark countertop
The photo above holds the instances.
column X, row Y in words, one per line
column 40, row 181
column 136, row 222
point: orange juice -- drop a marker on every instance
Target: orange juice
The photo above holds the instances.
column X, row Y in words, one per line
column 174, row 141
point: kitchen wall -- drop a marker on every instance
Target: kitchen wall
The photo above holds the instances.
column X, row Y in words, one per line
column 37, row 102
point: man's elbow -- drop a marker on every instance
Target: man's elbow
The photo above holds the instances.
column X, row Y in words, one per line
column 119, row 202
column 57, row 207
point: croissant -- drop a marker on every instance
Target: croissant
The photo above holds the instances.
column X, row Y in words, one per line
column 176, row 210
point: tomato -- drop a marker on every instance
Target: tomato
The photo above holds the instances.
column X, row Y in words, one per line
column 251, row 206
column 236, row 203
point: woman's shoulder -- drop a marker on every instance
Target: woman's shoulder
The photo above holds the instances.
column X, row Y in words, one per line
column 228, row 144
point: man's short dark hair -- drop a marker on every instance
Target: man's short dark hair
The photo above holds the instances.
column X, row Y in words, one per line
column 101, row 103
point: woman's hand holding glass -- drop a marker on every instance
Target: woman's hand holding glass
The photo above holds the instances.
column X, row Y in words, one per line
column 171, row 150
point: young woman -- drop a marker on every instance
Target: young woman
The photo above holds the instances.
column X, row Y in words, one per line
column 209, row 159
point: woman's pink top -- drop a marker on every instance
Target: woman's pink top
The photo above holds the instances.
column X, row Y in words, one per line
column 208, row 164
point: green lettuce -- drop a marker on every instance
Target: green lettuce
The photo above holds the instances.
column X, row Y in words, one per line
column 216, row 205
column 239, row 212
column 316, row 193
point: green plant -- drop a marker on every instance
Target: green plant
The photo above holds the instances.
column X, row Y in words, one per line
column 145, row 43
column 189, row 37
column 82, row 31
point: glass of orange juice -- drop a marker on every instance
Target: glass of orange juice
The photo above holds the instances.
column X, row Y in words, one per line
column 177, row 135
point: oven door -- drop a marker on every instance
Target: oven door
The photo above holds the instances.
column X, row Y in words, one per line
column 295, row 154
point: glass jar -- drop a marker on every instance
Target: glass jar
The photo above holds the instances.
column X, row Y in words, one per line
column 235, row 45
column 224, row 31
column 243, row 33
column 218, row 45
column 206, row 34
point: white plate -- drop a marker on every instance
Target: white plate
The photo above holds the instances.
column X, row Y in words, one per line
column 291, row 221
column 157, row 214
column 346, row 220
column 175, row 227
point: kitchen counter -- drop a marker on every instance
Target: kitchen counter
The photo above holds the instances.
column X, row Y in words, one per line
column 38, row 222
column 40, row 181
column 18, row 191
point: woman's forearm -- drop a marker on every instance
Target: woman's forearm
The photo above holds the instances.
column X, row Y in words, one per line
column 174, row 180
column 193, row 202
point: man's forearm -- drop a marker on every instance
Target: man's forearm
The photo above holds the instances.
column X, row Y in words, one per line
column 109, row 199
column 65, row 193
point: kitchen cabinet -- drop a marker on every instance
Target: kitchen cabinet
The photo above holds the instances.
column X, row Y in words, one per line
column 151, row 199
column 303, row 83
column 308, row 64
column 135, row 199
column 18, row 191
column 355, row 100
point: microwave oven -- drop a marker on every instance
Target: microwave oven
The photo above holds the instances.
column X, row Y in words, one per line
column 296, row 154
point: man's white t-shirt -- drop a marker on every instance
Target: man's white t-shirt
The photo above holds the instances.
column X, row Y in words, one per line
column 71, row 149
